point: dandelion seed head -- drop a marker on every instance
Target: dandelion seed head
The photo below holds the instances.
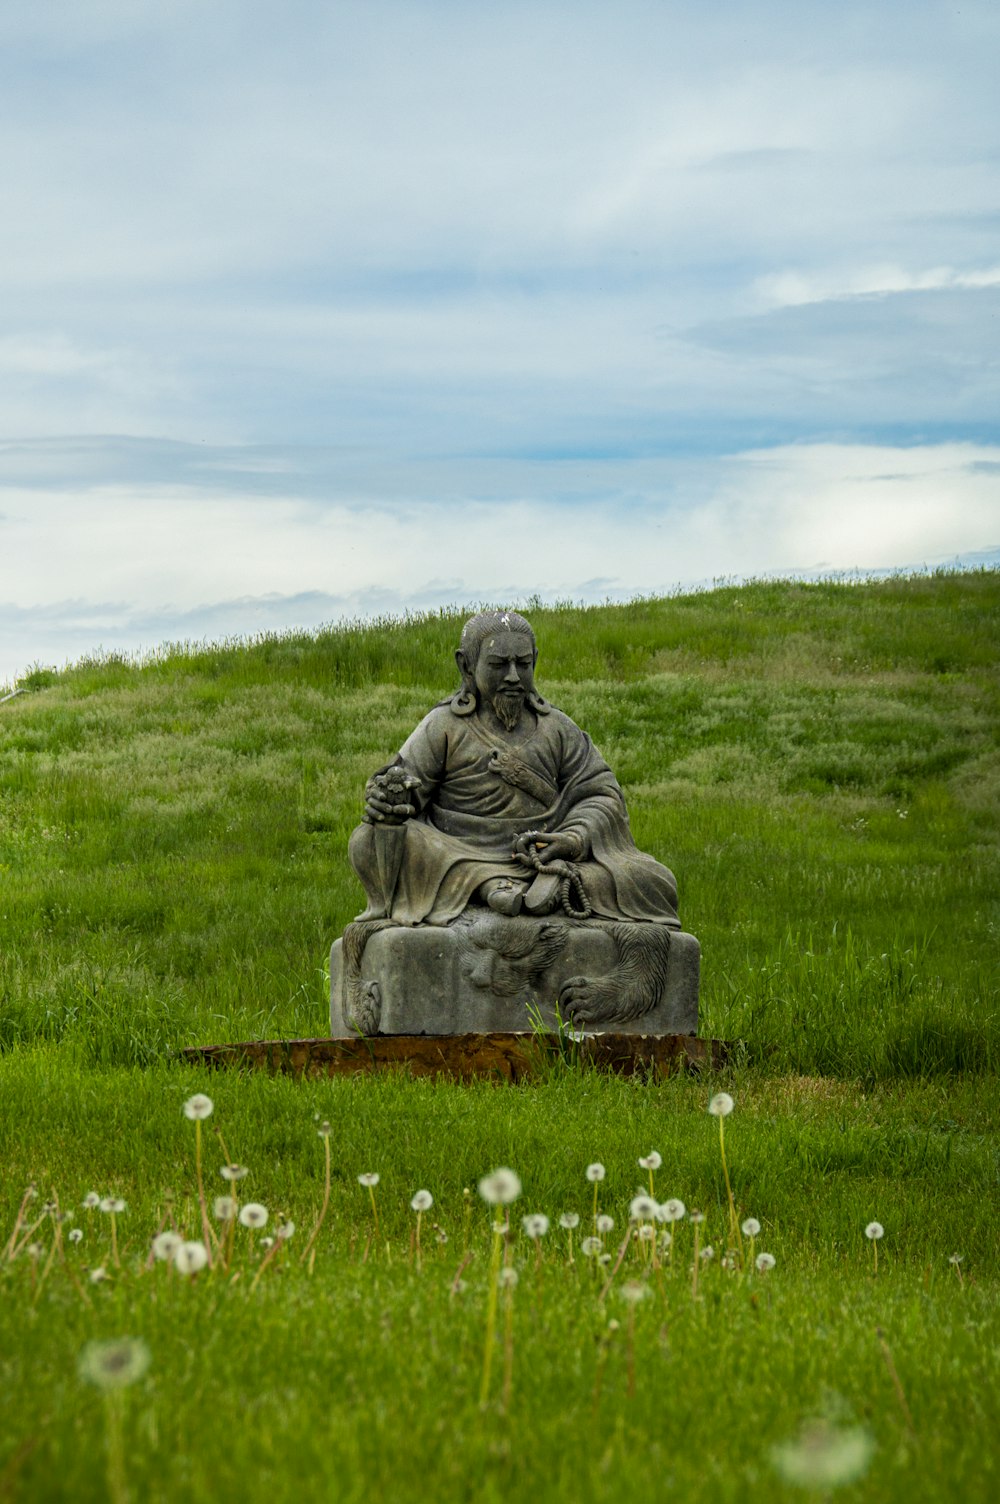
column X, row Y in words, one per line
column 721, row 1105
column 190, row 1258
column 75, row 1234
column 97, row 1275
column 91, row 1201
column 632, row 1292
column 48, row 1207
column 672, row 1210
column 596, row 1171
column 507, row 1277
column 707, row 1254
column 198, row 1107
column 421, row 1201
column 114, row 1365
column 646, row 1233
column 591, row 1247
column 642, row 1208
column 614, row 1326
column 569, row 1220
column 535, row 1225
column 697, row 1218
column 284, row 1230
column 604, row 1258
column 955, row 1258
column 650, row 1161
column 34, row 1251
column 666, row 1239
column 234, row 1172
column 266, row 1243
column 604, row 1223
column 765, row 1262
column 874, row 1231
column 369, row 1179
column 224, row 1208
column 751, row 1227
column 324, row 1130
column 112, row 1204
column 252, row 1214
column 500, row 1187
column 166, row 1244
column 823, row 1457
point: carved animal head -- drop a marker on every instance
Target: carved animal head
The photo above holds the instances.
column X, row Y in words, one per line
column 508, row 956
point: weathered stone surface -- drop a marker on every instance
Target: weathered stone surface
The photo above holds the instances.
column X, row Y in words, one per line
column 461, row 979
column 465, row 1057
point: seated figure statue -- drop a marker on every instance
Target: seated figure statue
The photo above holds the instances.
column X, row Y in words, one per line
column 499, row 817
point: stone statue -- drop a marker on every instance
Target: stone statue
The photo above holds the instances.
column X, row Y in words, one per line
column 501, row 832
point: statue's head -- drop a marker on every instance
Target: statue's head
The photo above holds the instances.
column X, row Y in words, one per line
column 496, row 659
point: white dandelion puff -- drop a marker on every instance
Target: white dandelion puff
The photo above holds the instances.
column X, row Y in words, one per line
column 224, row 1208
column 721, row 1105
column 190, row 1258
column 650, row 1161
column 114, row 1365
column 642, row 1208
column 536, row 1225
column 707, row 1254
column 646, row 1233
column 252, row 1214
column 874, row 1231
column 823, row 1458
column 234, row 1172
column 632, row 1292
column 595, row 1171
column 591, row 1247
column 324, row 1130
column 98, row 1275
column 166, row 1244
column 500, row 1187
column 284, row 1230
column 569, row 1220
column 672, row 1210
column 91, row 1201
column 507, row 1277
column 198, row 1107
column 604, row 1223
column 751, row 1227
column 112, row 1204
column 421, row 1201
column 75, row 1234
column 368, row 1179
column 765, row 1262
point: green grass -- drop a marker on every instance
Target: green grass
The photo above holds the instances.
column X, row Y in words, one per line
column 820, row 766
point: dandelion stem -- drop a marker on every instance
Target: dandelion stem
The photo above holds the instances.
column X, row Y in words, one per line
column 508, row 1341
column 617, row 1265
column 326, row 1202
column 734, row 1223
column 491, row 1314
column 11, row 1243
column 206, row 1226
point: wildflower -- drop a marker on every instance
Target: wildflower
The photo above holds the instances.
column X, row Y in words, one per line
column 603, row 1224
column 874, row 1231
column 267, row 1242
column 114, row 1365
column 98, row 1274
column 284, row 1230
column 728, row 1260
column 368, row 1179
column 34, row 1251
column 421, row 1201
column 751, row 1227
column 507, row 1277
column 324, row 1129
column 764, row 1262
column 500, row 1187
column 536, row 1225
column 707, row 1254
column 48, row 1207
column 632, row 1292
column 591, row 1247
column 646, row 1233
column 569, row 1220
column 697, row 1218
column 665, row 1241
column 166, row 1244
column 650, row 1161
column 721, row 1105
column 595, row 1172
column 642, row 1208
column 955, row 1258
column 91, row 1201
column 672, row 1210
column 604, row 1258
column 252, row 1214
column 440, row 1233
column 234, row 1172
column 190, row 1258
column 823, row 1457
column 198, row 1107
column 112, row 1204
column 224, row 1208
column 75, row 1234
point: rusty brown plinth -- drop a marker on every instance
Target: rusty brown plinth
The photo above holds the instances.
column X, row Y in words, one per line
column 464, row 1057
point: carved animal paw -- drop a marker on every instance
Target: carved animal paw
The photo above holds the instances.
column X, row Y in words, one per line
column 590, row 1000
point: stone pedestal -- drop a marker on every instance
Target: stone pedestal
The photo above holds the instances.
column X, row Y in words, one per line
column 483, row 975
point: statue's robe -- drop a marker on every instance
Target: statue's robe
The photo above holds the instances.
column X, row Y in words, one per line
column 469, row 814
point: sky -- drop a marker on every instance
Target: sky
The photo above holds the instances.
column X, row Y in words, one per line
column 317, row 310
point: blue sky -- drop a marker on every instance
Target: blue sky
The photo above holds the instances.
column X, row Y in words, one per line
column 320, row 309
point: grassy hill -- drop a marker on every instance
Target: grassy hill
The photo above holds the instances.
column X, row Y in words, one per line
column 820, row 766
column 817, row 762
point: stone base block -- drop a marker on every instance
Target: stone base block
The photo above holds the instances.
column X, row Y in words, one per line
column 484, row 976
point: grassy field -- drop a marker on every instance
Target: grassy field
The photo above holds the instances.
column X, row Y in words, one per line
column 820, row 766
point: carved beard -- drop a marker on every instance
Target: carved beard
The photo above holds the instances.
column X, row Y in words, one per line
column 508, row 708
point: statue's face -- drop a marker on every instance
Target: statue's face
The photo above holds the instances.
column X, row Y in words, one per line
column 505, row 673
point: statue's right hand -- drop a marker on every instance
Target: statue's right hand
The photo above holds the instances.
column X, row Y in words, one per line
column 381, row 811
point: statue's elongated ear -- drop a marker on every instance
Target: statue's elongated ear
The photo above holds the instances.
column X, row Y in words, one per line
column 464, row 703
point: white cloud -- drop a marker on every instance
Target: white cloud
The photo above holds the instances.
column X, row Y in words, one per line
column 792, row 289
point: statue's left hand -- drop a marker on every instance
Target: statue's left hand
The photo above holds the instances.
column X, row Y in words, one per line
column 548, row 847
